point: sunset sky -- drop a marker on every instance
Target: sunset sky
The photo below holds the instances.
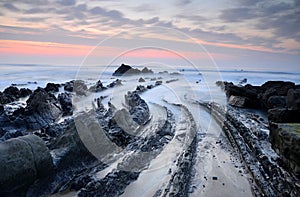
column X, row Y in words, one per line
column 239, row 34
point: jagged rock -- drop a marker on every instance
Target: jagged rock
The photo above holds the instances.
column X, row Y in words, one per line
column 22, row 161
column 97, row 87
column 141, row 80
column 283, row 115
column 138, row 108
column 285, row 140
column 41, row 110
column 293, row 99
column 117, row 82
column 128, row 70
column 52, row 87
column 65, row 100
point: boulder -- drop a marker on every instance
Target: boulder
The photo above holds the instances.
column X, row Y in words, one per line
column 52, row 87
column 285, row 140
column 293, row 99
column 25, row 92
column 276, row 102
column 283, row 115
column 65, row 100
column 41, row 110
column 281, row 87
column 22, row 161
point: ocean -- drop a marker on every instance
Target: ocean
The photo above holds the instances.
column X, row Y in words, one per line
column 33, row 75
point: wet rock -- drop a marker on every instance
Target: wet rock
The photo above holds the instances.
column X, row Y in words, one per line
column 25, row 92
column 276, row 102
column 12, row 93
column 52, row 87
column 285, row 140
column 65, row 100
column 293, row 99
column 283, row 115
column 68, row 86
column 138, row 108
column 281, row 87
column 97, row 87
column 41, row 110
column 22, row 161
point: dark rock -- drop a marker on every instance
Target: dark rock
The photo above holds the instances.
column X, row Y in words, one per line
column 281, row 87
column 52, row 87
column 276, row 102
column 126, row 69
column 13, row 92
column 285, row 140
column 4, row 99
column 41, row 110
column 141, row 80
column 157, row 83
column 293, row 99
column 22, row 161
column 138, row 108
column 117, row 82
column 65, row 100
column 282, row 115
column 141, row 88
column 97, row 87
column 68, row 86
column 25, row 92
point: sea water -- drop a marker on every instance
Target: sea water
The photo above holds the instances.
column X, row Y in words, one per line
column 33, row 75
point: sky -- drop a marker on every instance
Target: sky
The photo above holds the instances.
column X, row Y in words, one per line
column 232, row 34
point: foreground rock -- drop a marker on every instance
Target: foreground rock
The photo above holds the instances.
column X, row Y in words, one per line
column 12, row 93
column 22, row 161
column 128, row 70
column 282, row 102
column 285, row 139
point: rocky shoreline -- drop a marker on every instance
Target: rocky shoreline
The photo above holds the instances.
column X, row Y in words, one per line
column 52, row 149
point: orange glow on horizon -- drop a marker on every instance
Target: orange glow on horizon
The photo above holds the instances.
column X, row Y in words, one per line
column 15, row 47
